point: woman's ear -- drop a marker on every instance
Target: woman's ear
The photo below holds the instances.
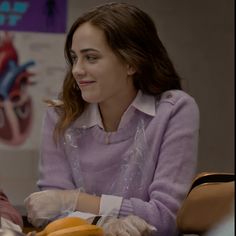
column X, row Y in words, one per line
column 130, row 70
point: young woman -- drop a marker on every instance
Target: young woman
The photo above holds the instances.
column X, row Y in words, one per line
column 122, row 139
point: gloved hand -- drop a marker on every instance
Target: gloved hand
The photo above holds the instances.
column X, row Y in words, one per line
column 46, row 205
column 128, row 226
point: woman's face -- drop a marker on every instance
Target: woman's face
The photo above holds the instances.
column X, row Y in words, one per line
column 99, row 73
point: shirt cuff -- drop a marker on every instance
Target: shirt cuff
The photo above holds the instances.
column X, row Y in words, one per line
column 126, row 208
column 110, row 205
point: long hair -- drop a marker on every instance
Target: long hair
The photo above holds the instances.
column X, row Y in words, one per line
column 132, row 36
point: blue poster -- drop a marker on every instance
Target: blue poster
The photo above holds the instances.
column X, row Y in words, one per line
column 33, row 15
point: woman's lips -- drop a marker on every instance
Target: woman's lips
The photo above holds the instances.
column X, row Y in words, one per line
column 85, row 83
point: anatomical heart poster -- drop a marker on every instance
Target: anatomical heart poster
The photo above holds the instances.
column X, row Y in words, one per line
column 32, row 68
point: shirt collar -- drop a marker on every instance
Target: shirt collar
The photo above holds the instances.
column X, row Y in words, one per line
column 91, row 116
column 145, row 103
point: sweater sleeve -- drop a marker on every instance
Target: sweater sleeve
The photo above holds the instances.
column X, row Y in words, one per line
column 8, row 211
column 54, row 169
column 177, row 161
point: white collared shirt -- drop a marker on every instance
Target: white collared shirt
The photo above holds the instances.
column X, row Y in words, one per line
column 142, row 102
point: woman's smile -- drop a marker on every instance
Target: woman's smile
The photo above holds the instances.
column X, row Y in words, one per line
column 84, row 83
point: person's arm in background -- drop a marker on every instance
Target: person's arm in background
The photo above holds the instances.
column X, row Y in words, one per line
column 7, row 211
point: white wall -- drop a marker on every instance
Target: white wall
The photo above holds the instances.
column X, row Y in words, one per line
column 199, row 35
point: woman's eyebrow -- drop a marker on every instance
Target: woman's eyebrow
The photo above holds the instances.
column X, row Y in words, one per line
column 89, row 50
column 84, row 50
column 72, row 52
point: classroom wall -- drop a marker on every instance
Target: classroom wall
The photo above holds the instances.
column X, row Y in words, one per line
column 199, row 36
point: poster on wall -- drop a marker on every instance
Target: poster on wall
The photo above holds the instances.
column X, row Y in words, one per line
column 33, row 16
column 32, row 67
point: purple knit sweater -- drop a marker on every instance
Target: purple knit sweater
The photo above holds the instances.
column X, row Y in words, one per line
column 150, row 160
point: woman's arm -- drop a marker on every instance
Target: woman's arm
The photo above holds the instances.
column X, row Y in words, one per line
column 177, row 162
column 55, row 171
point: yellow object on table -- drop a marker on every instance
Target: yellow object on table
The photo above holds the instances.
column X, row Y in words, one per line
column 81, row 230
column 70, row 226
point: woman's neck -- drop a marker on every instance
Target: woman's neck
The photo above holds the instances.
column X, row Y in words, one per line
column 112, row 111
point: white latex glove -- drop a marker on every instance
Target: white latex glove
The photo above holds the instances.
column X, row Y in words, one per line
column 10, row 232
column 128, row 226
column 44, row 206
column 7, row 224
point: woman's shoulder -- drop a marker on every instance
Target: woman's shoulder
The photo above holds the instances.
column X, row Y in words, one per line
column 174, row 96
column 177, row 102
column 52, row 113
column 178, row 106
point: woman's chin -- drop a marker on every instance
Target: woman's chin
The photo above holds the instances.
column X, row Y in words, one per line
column 90, row 99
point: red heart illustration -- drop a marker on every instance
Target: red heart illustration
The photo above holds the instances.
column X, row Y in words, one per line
column 15, row 102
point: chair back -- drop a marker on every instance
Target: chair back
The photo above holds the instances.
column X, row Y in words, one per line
column 208, row 201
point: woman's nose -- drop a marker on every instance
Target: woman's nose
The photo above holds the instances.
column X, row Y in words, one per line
column 78, row 69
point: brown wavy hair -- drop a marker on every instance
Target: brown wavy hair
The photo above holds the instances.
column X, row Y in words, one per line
column 133, row 37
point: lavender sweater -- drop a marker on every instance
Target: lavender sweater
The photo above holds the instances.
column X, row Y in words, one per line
column 150, row 160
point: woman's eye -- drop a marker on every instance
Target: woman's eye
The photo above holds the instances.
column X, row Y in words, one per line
column 73, row 59
column 91, row 58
